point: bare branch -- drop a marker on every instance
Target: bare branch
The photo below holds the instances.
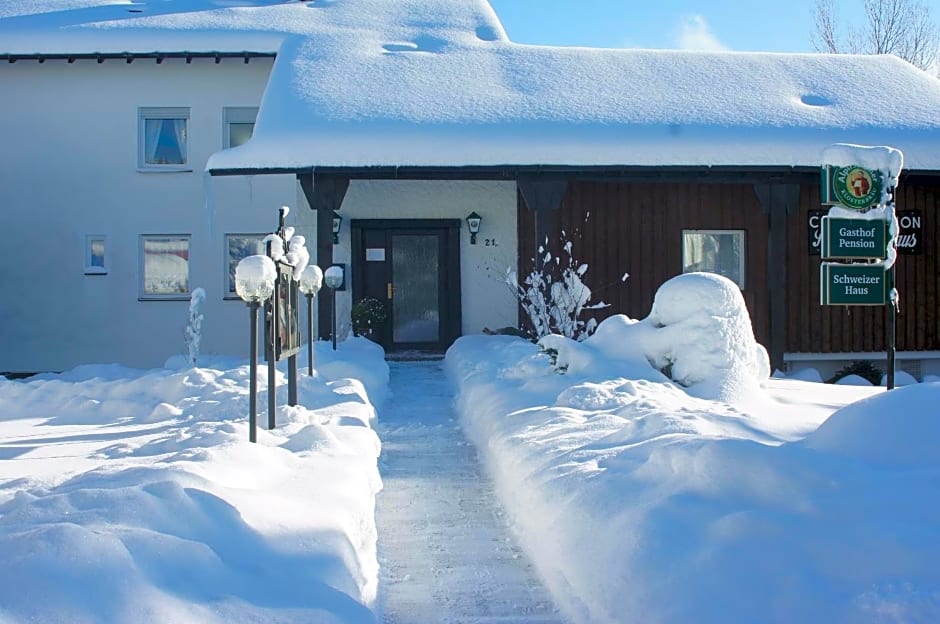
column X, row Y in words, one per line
column 900, row 27
column 825, row 39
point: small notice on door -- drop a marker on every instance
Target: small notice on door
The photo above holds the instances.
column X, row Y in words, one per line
column 375, row 254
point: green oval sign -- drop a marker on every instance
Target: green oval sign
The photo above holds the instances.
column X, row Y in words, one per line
column 856, row 187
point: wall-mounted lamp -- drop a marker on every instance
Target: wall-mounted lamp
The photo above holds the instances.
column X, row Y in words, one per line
column 473, row 224
column 337, row 224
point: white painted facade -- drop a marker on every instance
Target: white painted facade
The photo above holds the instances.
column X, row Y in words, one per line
column 486, row 299
column 70, row 170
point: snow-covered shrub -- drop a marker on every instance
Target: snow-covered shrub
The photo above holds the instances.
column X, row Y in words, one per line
column 555, row 296
column 700, row 335
column 193, row 332
column 862, row 368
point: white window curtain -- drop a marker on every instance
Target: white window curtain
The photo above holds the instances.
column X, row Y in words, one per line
column 179, row 132
column 165, row 141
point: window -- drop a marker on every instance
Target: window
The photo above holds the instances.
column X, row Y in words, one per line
column 95, row 255
column 238, row 123
column 162, row 139
column 714, row 251
column 237, row 247
column 164, row 266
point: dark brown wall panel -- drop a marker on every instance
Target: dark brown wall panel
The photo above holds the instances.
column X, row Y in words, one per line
column 634, row 228
column 816, row 328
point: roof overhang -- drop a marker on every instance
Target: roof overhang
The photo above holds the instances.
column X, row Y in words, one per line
column 130, row 57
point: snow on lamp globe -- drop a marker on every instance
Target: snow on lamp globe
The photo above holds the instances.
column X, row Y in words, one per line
column 254, row 283
column 311, row 279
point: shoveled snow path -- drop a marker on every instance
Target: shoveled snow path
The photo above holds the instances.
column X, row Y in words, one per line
column 446, row 552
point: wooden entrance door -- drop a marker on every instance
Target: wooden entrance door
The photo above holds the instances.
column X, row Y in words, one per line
column 413, row 267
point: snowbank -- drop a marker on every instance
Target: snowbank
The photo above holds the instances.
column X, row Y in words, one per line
column 698, row 333
column 135, row 496
column 897, row 428
column 703, row 333
column 638, row 503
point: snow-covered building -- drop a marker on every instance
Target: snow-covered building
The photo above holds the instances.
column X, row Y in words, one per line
column 132, row 179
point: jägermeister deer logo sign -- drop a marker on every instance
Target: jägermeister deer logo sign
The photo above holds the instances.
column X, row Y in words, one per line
column 853, row 186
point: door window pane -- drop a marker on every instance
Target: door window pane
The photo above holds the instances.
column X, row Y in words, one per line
column 165, row 266
column 714, row 251
column 415, row 300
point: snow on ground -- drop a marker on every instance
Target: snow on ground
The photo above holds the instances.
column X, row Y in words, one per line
column 446, row 551
column 134, row 495
column 640, row 503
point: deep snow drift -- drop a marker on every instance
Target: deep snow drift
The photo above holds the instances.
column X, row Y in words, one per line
column 135, row 496
column 638, row 502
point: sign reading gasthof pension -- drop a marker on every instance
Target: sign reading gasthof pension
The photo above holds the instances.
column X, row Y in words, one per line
column 852, row 284
column 853, row 186
column 853, row 238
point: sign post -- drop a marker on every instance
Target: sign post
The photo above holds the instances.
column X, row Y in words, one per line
column 864, row 247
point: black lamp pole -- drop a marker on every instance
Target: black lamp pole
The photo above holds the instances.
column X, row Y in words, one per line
column 253, row 384
column 309, row 334
column 334, row 319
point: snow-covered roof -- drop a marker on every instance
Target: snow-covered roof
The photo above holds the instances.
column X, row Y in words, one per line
column 436, row 83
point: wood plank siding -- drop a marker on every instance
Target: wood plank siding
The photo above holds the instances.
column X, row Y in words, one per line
column 814, row 328
column 636, row 227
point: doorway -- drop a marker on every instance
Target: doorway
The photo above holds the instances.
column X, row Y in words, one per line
column 412, row 266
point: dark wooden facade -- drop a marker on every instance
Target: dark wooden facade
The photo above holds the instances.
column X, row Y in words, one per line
column 815, row 328
column 618, row 227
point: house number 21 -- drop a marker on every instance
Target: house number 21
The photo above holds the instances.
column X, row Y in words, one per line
column 490, row 242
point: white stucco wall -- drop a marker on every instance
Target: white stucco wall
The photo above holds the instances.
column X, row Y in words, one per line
column 486, row 300
column 69, row 169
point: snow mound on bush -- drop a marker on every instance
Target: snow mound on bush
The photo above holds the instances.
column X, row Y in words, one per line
column 701, row 334
column 898, row 428
column 806, row 374
column 901, row 378
column 853, row 380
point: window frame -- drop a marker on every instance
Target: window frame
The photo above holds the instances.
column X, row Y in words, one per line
column 742, row 263
column 236, row 115
column 227, row 294
column 143, row 295
column 90, row 267
column 145, row 113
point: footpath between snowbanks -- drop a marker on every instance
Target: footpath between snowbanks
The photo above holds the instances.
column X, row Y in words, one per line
column 639, row 503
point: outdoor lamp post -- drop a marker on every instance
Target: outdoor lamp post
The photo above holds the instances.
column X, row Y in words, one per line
column 337, row 224
column 310, row 282
column 473, row 224
column 334, row 279
column 254, row 283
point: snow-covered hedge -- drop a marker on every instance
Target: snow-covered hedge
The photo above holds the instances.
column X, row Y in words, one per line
column 698, row 334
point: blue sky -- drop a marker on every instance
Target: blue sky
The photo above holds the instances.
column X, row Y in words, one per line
column 730, row 24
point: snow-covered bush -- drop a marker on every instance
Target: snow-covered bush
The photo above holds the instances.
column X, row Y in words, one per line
column 861, row 368
column 193, row 332
column 555, row 296
column 700, row 335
